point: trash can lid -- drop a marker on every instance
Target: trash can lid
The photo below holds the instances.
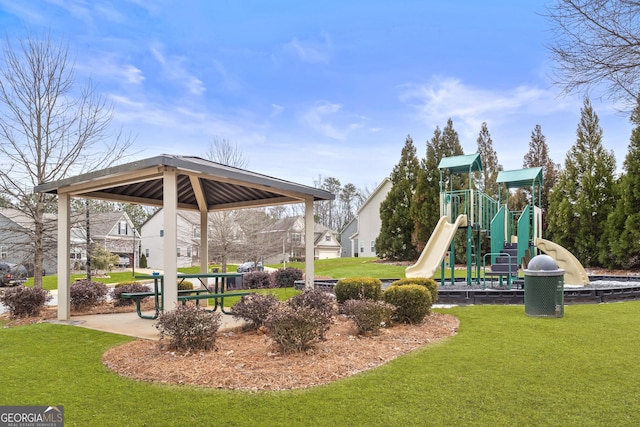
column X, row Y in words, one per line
column 542, row 265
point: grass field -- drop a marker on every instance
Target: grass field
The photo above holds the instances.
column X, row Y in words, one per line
column 502, row 369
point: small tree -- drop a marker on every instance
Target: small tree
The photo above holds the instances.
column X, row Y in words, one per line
column 102, row 259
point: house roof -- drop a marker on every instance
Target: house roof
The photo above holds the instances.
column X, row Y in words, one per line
column 201, row 184
column 462, row 164
column 520, row 178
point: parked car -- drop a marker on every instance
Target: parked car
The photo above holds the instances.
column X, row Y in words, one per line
column 12, row 274
column 124, row 261
column 248, row 267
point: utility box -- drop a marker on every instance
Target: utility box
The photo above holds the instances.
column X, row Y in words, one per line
column 543, row 288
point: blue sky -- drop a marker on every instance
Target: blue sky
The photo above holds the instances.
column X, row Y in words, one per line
column 309, row 89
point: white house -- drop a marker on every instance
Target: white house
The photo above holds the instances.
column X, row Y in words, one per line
column 188, row 236
column 290, row 231
column 369, row 223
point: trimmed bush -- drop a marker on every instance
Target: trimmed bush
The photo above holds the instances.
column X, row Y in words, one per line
column 185, row 285
column 85, row 294
column 430, row 284
column 285, row 278
column 255, row 309
column 23, row 301
column 368, row 315
column 189, row 328
column 126, row 287
column 143, row 261
column 257, row 280
column 322, row 302
column 413, row 302
column 358, row 288
column 296, row 329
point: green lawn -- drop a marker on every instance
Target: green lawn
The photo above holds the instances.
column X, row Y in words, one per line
column 502, row 369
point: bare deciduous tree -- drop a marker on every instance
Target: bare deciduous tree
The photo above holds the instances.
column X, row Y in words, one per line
column 597, row 42
column 50, row 127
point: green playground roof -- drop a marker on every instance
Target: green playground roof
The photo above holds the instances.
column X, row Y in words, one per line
column 520, row 178
column 462, row 164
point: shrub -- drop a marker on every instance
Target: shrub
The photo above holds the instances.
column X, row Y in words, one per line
column 413, row 302
column 126, row 287
column 286, row 278
column 85, row 294
column 257, row 280
column 23, row 301
column 296, row 328
column 430, row 284
column 143, row 261
column 358, row 288
column 323, row 304
column 189, row 328
column 255, row 309
column 185, row 285
column 368, row 315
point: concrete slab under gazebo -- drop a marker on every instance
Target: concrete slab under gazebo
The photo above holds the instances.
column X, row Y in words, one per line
column 175, row 182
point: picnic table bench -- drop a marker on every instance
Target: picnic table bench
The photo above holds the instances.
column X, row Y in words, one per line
column 216, row 297
column 139, row 296
column 215, row 292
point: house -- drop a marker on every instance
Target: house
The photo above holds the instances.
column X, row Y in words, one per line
column 113, row 231
column 369, row 223
column 348, row 247
column 290, row 231
column 16, row 239
column 188, row 236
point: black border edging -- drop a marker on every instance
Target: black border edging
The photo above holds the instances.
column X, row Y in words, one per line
column 586, row 295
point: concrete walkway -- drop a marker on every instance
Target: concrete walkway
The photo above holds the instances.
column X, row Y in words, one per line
column 131, row 325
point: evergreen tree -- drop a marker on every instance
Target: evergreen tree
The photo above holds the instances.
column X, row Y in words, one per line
column 425, row 209
column 581, row 202
column 490, row 164
column 623, row 225
column 538, row 156
column 394, row 241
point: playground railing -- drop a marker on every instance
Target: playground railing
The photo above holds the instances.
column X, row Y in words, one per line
column 510, row 273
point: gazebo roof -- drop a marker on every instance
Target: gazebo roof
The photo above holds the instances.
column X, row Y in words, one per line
column 521, row 178
column 201, row 185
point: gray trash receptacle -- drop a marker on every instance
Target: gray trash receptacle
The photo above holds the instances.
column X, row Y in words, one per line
column 543, row 288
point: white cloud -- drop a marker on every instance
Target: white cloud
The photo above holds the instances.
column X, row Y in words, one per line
column 108, row 67
column 174, row 69
column 469, row 106
column 309, row 51
column 323, row 116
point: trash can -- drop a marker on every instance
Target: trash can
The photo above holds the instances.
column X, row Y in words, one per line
column 543, row 288
column 234, row 283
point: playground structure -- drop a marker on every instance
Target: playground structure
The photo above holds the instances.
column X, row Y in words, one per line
column 514, row 236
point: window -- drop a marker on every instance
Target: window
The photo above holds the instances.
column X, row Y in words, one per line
column 373, row 246
column 296, row 237
column 361, row 247
column 178, row 251
column 3, row 252
column 146, row 252
column 189, row 251
column 161, row 233
column 196, row 232
column 122, row 228
column 327, row 238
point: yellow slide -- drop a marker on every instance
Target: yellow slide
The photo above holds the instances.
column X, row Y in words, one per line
column 436, row 249
column 574, row 273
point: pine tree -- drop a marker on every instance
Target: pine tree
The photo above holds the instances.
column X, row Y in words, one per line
column 538, row 156
column 425, row 209
column 394, row 241
column 490, row 164
column 583, row 197
column 623, row 225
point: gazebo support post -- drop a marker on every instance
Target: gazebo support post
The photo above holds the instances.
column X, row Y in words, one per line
column 309, row 225
column 64, row 261
column 170, row 215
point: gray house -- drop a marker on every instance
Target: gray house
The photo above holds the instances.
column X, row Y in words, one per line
column 348, row 246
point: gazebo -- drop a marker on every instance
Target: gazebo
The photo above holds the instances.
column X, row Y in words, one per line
column 175, row 182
